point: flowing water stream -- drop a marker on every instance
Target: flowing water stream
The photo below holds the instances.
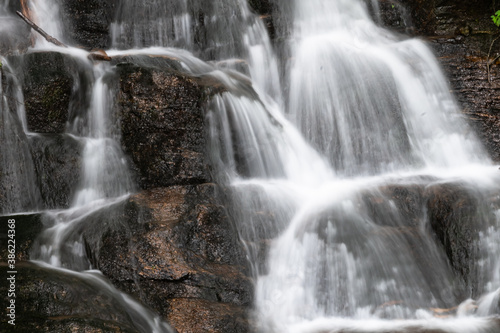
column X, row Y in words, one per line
column 309, row 155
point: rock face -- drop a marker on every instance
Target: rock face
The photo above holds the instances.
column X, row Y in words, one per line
column 47, row 80
column 179, row 254
column 47, row 87
column 57, row 301
column 162, row 122
column 27, row 227
column 454, row 213
column 174, row 247
column 458, row 216
column 57, row 161
column 89, row 21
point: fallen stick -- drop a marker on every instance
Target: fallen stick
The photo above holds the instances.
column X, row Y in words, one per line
column 94, row 55
column 45, row 35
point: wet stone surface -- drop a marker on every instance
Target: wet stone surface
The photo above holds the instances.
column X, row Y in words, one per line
column 27, row 228
column 47, row 82
column 88, row 22
column 179, row 254
column 162, row 123
column 57, row 301
column 57, row 160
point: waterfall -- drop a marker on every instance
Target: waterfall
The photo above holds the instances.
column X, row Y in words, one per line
column 331, row 159
column 224, row 31
column 374, row 112
column 105, row 177
column 105, row 182
column 16, row 164
column 47, row 16
column 371, row 102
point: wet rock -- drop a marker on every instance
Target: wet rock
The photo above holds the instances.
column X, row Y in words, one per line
column 59, row 301
column 17, row 174
column 395, row 15
column 57, row 161
column 27, row 228
column 14, row 35
column 162, row 122
column 457, row 215
column 262, row 7
column 89, row 21
column 178, row 244
column 47, row 88
column 191, row 315
column 448, row 17
column 407, row 199
column 265, row 8
column 39, row 171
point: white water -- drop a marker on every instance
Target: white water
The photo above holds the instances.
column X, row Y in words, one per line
column 364, row 110
column 224, row 31
column 45, row 13
column 105, row 182
column 379, row 110
column 16, row 164
column 371, row 102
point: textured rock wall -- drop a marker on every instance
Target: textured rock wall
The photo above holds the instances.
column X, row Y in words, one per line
column 188, row 262
column 162, row 122
column 171, row 245
column 88, row 21
column 47, row 81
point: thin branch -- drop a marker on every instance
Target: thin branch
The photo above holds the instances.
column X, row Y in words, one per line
column 35, row 27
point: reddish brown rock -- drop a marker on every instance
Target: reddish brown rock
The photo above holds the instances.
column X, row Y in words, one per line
column 191, row 315
column 179, row 244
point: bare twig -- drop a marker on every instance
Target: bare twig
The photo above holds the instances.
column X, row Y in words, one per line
column 35, row 27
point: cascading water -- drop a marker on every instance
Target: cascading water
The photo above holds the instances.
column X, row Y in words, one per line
column 16, row 164
column 310, row 177
column 224, row 31
column 368, row 101
column 379, row 111
column 105, row 180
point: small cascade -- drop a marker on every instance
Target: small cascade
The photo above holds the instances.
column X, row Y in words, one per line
column 105, row 173
column 18, row 192
column 142, row 23
column 368, row 100
column 334, row 246
column 104, row 184
column 265, row 145
column 104, row 179
column 223, row 31
column 46, row 15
